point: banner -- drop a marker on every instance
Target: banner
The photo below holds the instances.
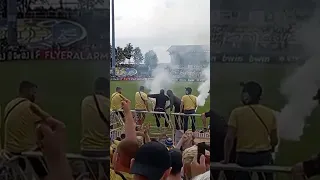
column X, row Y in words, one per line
column 257, row 58
column 146, row 79
column 52, row 55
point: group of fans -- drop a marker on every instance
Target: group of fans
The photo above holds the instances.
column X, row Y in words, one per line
column 138, row 156
column 187, row 105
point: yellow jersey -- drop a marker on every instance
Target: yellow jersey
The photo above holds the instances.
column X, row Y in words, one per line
column 20, row 126
column 189, row 102
column 95, row 133
column 115, row 176
column 251, row 134
column 116, row 100
column 141, row 100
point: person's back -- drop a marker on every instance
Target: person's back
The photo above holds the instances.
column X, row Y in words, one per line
column 116, row 99
column 141, row 99
column 20, row 126
column 252, row 135
column 189, row 102
column 95, row 131
column 161, row 100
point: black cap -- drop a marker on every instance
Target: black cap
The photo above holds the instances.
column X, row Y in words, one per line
column 176, row 161
column 118, row 88
column 189, row 89
column 252, row 88
column 152, row 160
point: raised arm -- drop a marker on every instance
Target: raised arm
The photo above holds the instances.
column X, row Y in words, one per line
column 129, row 124
column 153, row 95
column 39, row 112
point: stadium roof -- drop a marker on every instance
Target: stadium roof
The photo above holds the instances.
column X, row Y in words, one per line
column 189, row 48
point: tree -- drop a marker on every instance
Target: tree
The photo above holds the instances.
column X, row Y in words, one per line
column 137, row 55
column 151, row 59
column 120, row 56
column 128, row 51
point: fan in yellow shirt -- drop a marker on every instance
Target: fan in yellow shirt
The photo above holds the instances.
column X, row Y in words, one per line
column 95, row 140
column 188, row 106
column 141, row 100
column 116, row 101
column 21, row 117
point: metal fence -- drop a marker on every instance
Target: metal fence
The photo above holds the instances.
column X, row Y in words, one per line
column 168, row 117
column 229, row 171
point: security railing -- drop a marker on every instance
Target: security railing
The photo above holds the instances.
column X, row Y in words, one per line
column 84, row 162
column 229, row 171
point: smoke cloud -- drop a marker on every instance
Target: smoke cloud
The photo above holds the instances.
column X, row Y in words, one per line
column 204, row 87
column 301, row 86
column 162, row 80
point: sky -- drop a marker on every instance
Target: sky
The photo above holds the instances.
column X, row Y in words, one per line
column 158, row 24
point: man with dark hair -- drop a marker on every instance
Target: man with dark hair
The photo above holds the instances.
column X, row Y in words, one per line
column 28, row 90
column 141, row 104
column 176, row 164
column 255, row 128
column 152, row 162
column 96, row 122
column 116, row 100
column 175, row 103
column 21, row 115
column 161, row 100
column 188, row 106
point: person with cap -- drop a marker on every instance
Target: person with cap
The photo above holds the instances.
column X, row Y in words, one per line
column 169, row 143
column 141, row 104
column 255, row 128
column 176, row 164
column 188, row 106
column 116, row 100
column 161, row 100
column 152, row 162
column 175, row 103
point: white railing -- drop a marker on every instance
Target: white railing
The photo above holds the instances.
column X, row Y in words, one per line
column 116, row 132
column 284, row 172
column 85, row 173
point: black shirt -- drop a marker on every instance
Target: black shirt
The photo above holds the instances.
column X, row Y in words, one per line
column 161, row 100
column 218, row 130
column 174, row 102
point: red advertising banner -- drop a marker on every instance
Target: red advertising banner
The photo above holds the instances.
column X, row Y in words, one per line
column 52, row 55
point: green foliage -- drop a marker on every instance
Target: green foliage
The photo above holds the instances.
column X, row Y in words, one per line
column 128, row 52
column 151, row 59
column 137, row 56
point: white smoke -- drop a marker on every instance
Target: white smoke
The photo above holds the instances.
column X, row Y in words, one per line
column 204, row 87
column 300, row 87
column 162, row 80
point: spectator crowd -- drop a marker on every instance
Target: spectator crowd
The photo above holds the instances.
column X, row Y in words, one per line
column 192, row 72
